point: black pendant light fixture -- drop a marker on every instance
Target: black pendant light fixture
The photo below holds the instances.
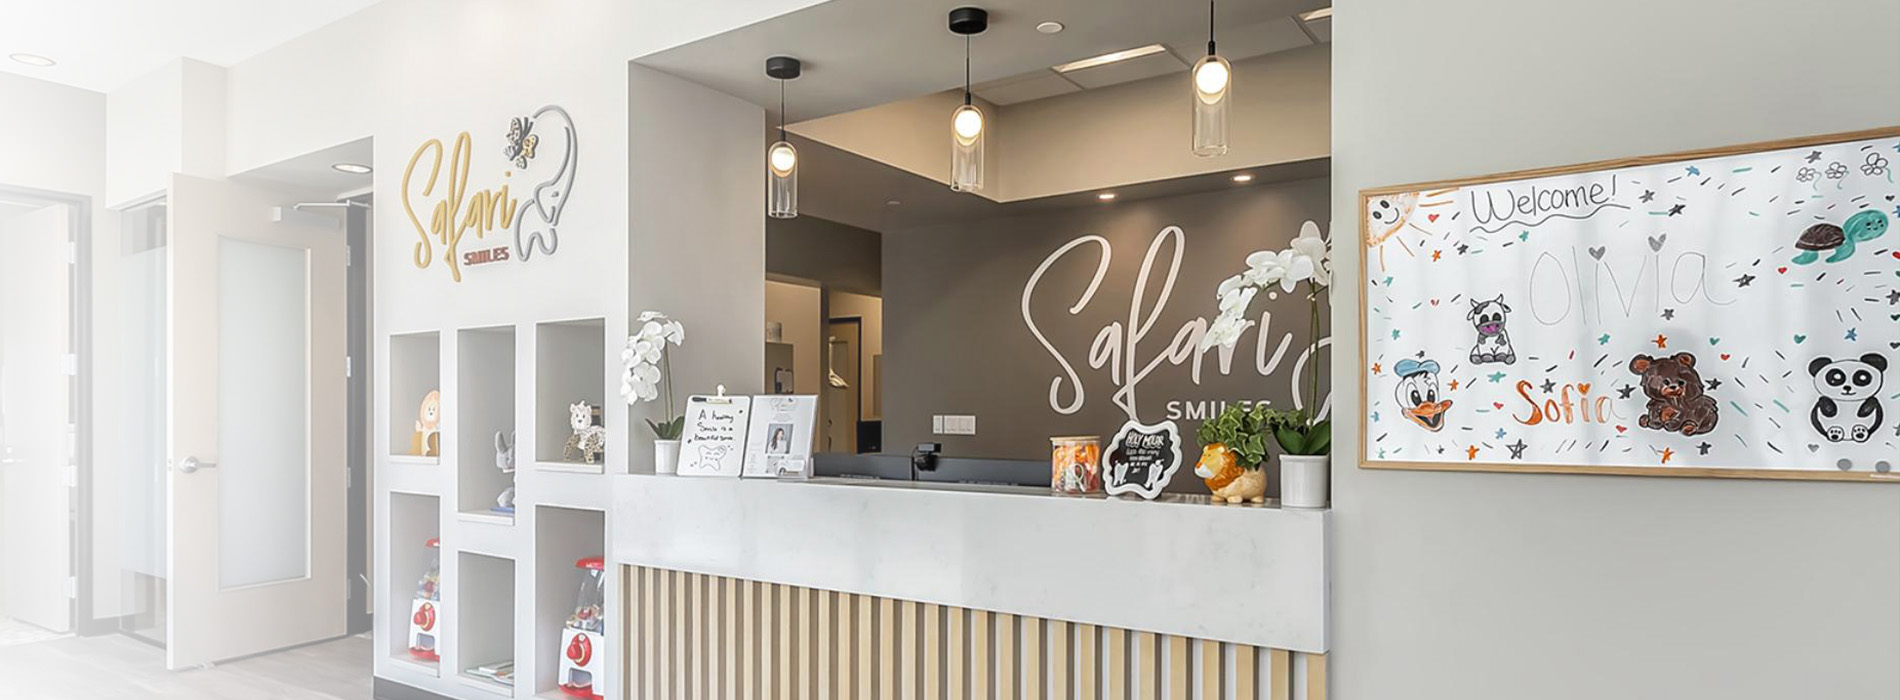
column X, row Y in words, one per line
column 781, row 160
column 1213, row 87
column 967, row 122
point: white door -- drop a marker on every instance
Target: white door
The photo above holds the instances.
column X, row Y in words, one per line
column 36, row 422
column 257, row 447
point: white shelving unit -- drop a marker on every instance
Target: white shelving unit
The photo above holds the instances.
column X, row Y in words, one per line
column 485, row 619
column 415, row 369
column 414, row 519
column 570, row 366
column 484, row 405
column 562, row 537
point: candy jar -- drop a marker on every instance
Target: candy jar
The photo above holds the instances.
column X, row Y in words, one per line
column 425, row 608
column 583, row 641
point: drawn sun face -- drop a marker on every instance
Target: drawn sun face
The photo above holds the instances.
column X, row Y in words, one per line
column 1417, row 397
column 1385, row 215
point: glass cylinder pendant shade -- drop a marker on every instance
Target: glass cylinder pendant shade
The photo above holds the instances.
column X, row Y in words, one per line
column 966, row 149
column 1213, row 92
column 782, row 175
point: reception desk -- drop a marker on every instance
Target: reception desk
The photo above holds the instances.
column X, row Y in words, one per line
column 1182, row 568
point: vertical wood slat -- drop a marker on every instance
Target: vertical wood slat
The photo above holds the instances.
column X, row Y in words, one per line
column 826, row 643
column 667, row 645
column 1180, row 678
column 748, row 649
column 981, row 642
column 933, row 652
column 1315, row 676
column 730, row 686
column 695, row 629
column 907, row 650
column 1246, row 672
column 802, row 625
column 886, row 649
column 1211, row 676
column 956, row 673
column 1117, row 664
column 649, row 639
column 1280, row 672
column 784, row 660
column 1086, row 675
column 1060, row 663
column 867, row 651
column 1006, row 643
column 848, row 647
column 1035, row 686
column 1148, row 662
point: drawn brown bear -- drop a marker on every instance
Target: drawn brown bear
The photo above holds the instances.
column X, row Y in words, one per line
column 1676, row 401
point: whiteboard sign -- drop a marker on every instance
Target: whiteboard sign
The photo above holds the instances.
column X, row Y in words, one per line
column 1726, row 313
column 715, row 433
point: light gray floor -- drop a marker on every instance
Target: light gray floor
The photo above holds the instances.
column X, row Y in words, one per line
column 116, row 667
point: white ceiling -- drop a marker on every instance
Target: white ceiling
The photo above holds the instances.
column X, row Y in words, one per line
column 311, row 172
column 1237, row 43
column 103, row 44
column 859, row 53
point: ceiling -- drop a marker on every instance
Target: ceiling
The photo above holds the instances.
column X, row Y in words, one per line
column 311, row 172
column 104, row 44
column 1237, row 43
column 860, row 53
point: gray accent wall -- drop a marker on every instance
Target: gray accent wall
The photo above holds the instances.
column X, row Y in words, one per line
column 1453, row 586
column 956, row 341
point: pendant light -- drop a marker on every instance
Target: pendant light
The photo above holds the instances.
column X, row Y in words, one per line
column 781, row 160
column 967, row 122
column 1213, row 80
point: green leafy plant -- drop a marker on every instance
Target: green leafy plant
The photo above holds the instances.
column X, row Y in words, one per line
column 1242, row 429
column 1298, row 434
column 668, row 430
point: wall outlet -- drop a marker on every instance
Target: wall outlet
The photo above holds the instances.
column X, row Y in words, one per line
column 936, row 425
column 959, row 425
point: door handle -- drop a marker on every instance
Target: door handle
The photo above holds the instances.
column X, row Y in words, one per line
column 191, row 464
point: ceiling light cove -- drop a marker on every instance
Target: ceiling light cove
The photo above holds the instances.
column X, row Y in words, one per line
column 1107, row 58
column 1106, row 196
column 1243, row 177
column 33, row 59
column 351, row 168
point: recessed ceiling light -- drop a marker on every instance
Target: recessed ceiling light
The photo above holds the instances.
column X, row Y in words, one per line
column 1049, row 27
column 1315, row 15
column 33, row 59
column 1243, row 177
column 1106, row 196
column 891, row 202
column 1108, row 58
column 351, row 168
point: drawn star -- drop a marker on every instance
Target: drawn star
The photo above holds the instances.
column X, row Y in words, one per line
column 1661, row 341
column 1471, row 452
column 1744, row 280
column 1454, row 385
column 1893, row 297
column 1375, row 368
column 1703, row 448
column 1517, row 449
column 1525, row 236
column 1549, row 385
column 1714, row 383
column 1495, row 377
column 1436, row 254
column 1853, row 334
column 1462, row 248
column 1814, row 156
column 1381, row 453
column 1441, row 449
column 1603, row 339
column 1669, row 314
column 1677, row 209
column 1648, row 195
column 1695, row 170
column 1395, row 334
column 1623, row 392
column 1375, row 416
column 1500, row 433
column 1667, row 453
column 1420, row 354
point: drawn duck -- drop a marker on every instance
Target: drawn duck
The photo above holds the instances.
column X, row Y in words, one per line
column 1417, row 393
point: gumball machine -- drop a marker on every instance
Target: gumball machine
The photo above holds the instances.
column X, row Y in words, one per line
column 583, row 641
column 424, row 610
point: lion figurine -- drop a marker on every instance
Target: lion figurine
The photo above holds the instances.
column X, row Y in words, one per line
column 1230, row 482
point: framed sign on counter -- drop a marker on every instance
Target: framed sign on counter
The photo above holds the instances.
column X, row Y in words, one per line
column 1732, row 312
column 779, row 441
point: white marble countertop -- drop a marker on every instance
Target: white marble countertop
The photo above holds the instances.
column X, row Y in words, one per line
column 1247, row 574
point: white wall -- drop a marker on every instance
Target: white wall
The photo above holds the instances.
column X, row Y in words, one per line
column 798, row 307
column 1556, row 587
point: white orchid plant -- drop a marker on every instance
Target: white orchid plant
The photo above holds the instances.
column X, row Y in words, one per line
column 649, row 369
column 1307, row 258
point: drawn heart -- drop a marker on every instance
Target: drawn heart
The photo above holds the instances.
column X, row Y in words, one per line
column 1434, row 302
column 1583, row 388
column 1497, row 405
column 1896, row 255
column 1799, row 339
column 1656, row 242
column 1781, row 270
column 1725, row 357
column 1895, row 346
column 1813, row 447
column 1431, row 217
column 1895, row 317
column 1597, row 252
column 1713, row 341
column 1622, row 429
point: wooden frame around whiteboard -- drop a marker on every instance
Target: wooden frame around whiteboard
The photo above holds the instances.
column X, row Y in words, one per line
column 1365, row 197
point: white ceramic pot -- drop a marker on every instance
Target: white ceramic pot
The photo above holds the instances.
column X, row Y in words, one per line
column 1304, row 480
column 666, row 456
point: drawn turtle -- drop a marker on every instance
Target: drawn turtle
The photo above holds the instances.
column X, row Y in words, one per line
column 1861, row 227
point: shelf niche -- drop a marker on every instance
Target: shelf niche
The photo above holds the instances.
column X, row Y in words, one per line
column 570, row 366
column 484, row 405
column 413, row 520
column 563, row 536
column 485, row 617
column 415, row 369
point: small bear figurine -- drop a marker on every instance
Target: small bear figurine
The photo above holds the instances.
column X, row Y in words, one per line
column 589, row 440
column 1677, row 403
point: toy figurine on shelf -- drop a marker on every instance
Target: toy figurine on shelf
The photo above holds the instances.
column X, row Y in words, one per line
column 590, row 437
column 505, row 461
column 424, row 611
column 583, row 640
column 427, row 441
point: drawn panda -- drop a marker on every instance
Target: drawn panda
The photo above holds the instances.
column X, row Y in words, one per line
column 1849, row 407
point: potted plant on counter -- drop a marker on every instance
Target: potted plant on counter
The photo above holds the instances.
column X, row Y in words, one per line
column 1233, row 450
column 649, row 376
column 1305, row 437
